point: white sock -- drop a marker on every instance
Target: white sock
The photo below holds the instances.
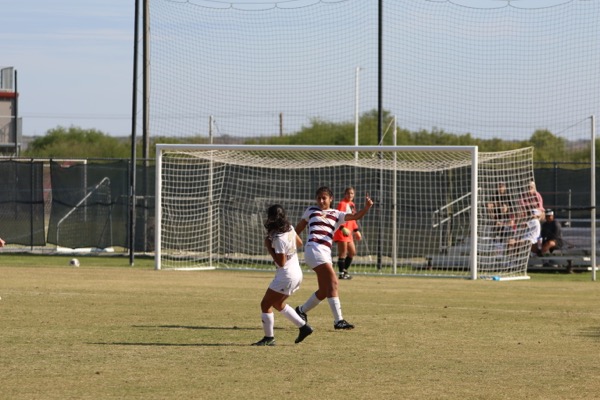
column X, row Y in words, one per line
column 268, row 322
column 336, row 308
column 311, row 303
column 290, row 314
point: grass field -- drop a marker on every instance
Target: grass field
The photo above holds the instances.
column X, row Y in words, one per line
column 110, row 331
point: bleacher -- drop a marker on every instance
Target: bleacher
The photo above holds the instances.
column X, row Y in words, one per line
column 575, row 256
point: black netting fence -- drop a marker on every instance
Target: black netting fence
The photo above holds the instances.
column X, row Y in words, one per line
column 83, row 204
column 22, row 203
column 75, row 204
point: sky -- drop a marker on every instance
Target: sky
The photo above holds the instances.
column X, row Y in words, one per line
column 74, row 62
column 74, row 59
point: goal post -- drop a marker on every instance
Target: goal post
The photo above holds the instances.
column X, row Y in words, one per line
column 429, row 216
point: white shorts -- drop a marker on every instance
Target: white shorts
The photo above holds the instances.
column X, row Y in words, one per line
column 317, row 255
column 287, row 280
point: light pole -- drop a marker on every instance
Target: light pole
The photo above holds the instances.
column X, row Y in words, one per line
column 356, row 110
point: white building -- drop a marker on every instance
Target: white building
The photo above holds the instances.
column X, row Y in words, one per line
column 10, row 123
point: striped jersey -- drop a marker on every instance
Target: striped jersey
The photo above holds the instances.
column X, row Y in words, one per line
column 321, row 225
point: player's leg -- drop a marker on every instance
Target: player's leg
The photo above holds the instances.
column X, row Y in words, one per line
column 351, row 252
column 328, row 284
column 268, row 319
column 328, row 287
column 342, row 254
column 304, row 329
column 320, row 261
column 327, row 281
column 313, row 257
column 286, row 282
column 277, row 301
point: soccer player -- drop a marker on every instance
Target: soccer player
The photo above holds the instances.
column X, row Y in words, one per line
column 281, row 242
column 322, row 221
column 345, row 235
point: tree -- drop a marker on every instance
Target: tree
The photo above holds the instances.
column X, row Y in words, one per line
column 548, row 148
column 76, row 142
column 321, row 132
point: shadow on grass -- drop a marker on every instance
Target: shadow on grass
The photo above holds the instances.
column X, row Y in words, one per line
column 198, row 327
column 591, row 332
column 169, row 344
column 182, row 344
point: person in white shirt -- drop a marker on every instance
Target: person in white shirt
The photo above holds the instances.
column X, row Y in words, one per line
column 531, row 233
column 322, row 221
column 281, row 243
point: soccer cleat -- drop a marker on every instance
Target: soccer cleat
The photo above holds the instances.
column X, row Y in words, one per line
column 344, row 275
column 343, row 324
column 266, row 341
column 301, row 314
column 304, row 332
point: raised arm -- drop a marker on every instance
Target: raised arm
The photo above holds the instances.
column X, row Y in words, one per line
column 361, row 213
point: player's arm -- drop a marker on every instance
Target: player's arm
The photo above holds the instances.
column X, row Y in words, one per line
column 2, row 242
column 301, row 226
column 277, row 257
column 298, row 241
column 342, row 206
column 361, row 213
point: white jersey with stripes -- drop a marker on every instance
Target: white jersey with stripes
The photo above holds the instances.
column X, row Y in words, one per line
column 321, row 225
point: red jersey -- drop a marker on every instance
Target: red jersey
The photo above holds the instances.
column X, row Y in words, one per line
column 349, row 208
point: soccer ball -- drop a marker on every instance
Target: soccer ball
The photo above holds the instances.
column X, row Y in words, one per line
column 74, row 262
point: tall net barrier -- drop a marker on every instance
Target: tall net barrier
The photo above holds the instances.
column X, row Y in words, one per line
column 235, row 70
column 212, row 202
column 495, row 70
column 499, row 74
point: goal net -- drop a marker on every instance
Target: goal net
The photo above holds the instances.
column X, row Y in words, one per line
column 431, row 212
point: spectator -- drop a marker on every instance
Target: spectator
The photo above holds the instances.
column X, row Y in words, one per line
column 551, row 234
column 532, row 199
column 531, row 233
column 501, row 211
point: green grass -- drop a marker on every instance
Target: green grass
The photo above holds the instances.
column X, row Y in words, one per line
column 110, row 331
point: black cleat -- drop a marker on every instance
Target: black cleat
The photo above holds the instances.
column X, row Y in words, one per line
column 343, row 324
column 305, row 331
column 266, row 341
column 301, row 314
column 345, row 275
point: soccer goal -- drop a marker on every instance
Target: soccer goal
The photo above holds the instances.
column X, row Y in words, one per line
column 430, row 216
